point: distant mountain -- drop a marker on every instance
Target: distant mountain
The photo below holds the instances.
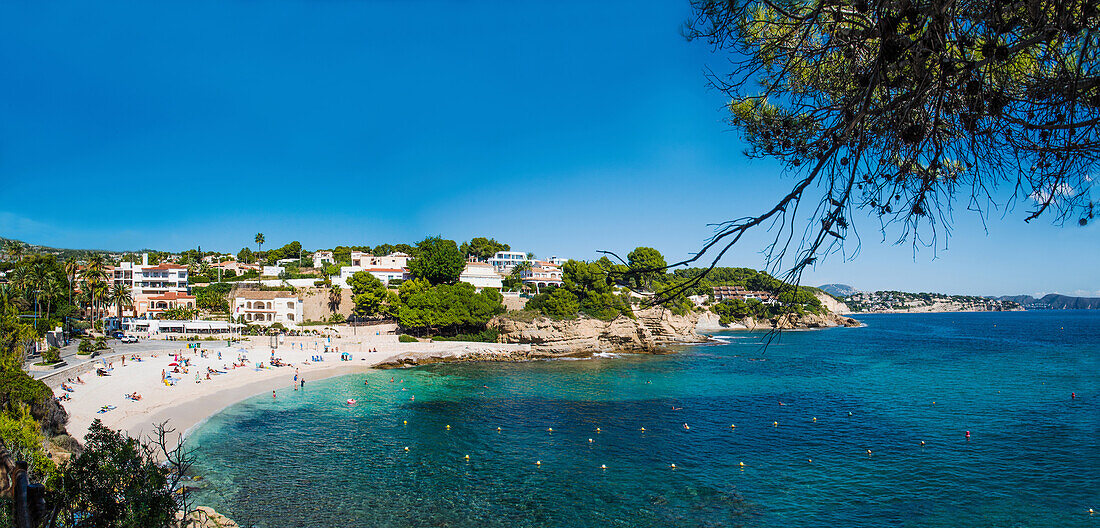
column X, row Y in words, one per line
column 838, row 290
column 1053, row 301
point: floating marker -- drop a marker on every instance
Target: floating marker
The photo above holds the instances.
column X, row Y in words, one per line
column 733, row 426
column 642, row 429
column 775, row 424
column 742, row 464
column 405, row 422
column 810, row 460
column 590, row 440
column 922, row 443
column 406, row 448
column 603, row 466
column 498, row 429
column 538, row 462
column 448, row 427
column 672, row 466
column 815, row 419
column 549, row 429
column 868, row 452
column 597, row 430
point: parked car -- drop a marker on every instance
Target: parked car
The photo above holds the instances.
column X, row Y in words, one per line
column 129, row 339
column 118, row 334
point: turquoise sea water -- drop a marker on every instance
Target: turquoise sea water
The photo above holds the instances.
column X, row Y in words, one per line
column 1033, row 458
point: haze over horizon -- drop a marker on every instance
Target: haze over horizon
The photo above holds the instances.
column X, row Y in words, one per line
column 559, row 131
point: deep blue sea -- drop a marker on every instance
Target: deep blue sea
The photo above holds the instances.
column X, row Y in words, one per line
column 1032, row 459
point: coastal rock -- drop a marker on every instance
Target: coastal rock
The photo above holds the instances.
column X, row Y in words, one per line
column 831, row 304
column 204, row 517
column 649, row 330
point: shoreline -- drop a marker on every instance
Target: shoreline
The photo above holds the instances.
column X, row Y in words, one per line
column 193, row 397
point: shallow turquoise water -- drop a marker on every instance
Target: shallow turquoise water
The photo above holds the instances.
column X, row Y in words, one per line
column 1033, row 459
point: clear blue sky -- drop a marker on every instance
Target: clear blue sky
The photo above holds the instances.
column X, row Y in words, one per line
column 558, row 127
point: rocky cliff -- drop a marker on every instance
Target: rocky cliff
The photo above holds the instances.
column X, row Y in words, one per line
column 650, row 330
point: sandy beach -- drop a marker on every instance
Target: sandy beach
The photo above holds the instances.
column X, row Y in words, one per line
column 193, row 397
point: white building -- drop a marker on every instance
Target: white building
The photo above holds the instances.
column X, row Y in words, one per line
column 542, row 274
column 504, row 261
column 267, row 307
column 557, row 261
column 320, row 258
column 383, row 274
column 366, row 261
column 151, row 286
column 287, row 261
column 143, row 279
column 272, row 271
column 481, row 275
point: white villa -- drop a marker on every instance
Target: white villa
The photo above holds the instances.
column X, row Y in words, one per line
column 542, row 274
column 367, row 261
column 320, row 258
column 481, row 275
column 383, row 274
column 267, row 307
column 504, row 261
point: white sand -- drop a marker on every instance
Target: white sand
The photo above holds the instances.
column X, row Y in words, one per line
column 188, row 402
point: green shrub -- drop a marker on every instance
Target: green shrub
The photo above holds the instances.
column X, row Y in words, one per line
column 101, row 343
column 51, row 356
column 86, row 347
column 489, row 335
column 23, row 436
column 406, row 338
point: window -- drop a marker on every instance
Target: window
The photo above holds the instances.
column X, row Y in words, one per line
column 290, row 304
column 290, row 317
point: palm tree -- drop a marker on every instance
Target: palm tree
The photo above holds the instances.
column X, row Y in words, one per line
column 259, row 241
column 71, row 268
column 95, row 279
column 15, row 250
column 120, row 297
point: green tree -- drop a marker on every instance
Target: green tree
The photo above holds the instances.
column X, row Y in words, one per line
column 899, row 109
column 482, row 248
column 121, row 298
column 260, row 241
column 438, row 261
column 115, row 482
column 370, row 296
column 245, row 255
column 558, row 303
column 646, row 264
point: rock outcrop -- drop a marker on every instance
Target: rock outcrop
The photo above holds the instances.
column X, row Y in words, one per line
column 650, row 330
column 795, row 321
column 830, row 303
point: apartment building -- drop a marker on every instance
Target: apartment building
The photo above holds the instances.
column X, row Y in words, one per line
column 267, row 307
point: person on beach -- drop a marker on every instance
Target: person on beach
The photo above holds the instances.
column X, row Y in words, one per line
column 273, row 395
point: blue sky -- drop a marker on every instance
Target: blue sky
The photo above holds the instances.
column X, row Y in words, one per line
column 559, row 127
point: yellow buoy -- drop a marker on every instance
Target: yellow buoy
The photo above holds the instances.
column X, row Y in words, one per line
column 868, row 452
column 538, row 462
column 809, row 460
column 733, row 426
column 597, row 430
column 406, row 448
column 922, row 443
column 673, row 466
column 590, row 440
column 815, row 419
column 742, row 464
column 775, row 424
column 642, row 429
column 549, row 429
column 603, row 466
column 467, row 457
column 498, row 429
column 405, row 422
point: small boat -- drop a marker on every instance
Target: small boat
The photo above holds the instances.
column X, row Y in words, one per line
column 351, row 401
